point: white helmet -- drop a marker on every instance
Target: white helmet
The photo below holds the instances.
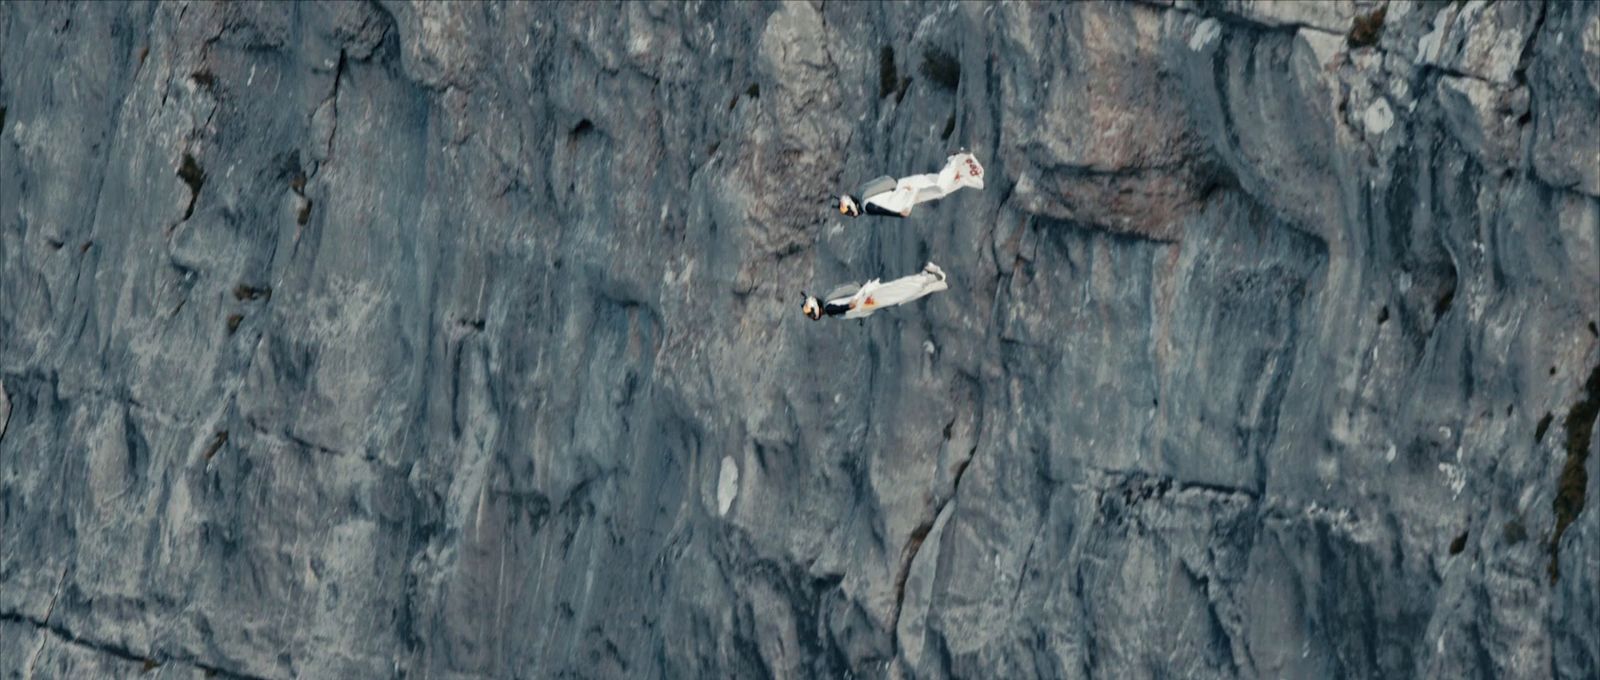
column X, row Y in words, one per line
column 848, row 206
column 812, row 307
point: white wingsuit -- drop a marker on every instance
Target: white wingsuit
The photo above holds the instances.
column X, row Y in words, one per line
column 895, row 198
column 856, row 302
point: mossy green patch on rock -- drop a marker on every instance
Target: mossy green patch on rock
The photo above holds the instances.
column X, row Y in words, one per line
column 1574, row 480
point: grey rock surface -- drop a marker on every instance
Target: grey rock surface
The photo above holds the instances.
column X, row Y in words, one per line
column 456, row 340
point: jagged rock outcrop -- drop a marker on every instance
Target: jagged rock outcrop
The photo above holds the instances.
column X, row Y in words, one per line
column 463, row 340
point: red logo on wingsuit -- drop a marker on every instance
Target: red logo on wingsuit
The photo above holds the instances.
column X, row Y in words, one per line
column 973, row 168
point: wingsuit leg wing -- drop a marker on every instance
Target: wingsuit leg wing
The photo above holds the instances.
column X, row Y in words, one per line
column 961, row 170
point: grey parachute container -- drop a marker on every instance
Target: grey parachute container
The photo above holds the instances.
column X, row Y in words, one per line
column 843, row 291
column 880, row 185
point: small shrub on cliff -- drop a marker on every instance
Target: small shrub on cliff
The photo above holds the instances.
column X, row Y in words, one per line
column 1366, row 30
column 1574, row 476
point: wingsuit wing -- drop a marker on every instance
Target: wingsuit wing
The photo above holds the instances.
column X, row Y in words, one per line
column 960, row 170
column 896, row 292
column 964, row 170
column 906, row 289
column 923, row 188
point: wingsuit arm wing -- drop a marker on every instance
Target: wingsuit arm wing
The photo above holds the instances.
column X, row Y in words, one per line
column 897, row 292
column 931, row 191
column 960, row 170
column 906, row 193
column 906, row 289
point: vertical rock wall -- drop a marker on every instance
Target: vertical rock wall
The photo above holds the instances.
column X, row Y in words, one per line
column 460, row 340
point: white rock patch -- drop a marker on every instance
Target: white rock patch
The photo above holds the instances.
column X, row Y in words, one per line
column 1205, row 34
column 1378, row 117
column 1324, row 46
column 1454, row 477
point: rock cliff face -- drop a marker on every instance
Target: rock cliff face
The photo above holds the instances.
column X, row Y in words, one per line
column 458, row 340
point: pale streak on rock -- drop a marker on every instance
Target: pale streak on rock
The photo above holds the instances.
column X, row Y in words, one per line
column 727, row 484
column 1205, row 34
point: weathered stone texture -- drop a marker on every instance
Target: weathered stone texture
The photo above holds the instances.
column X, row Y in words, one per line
column 463, row 340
